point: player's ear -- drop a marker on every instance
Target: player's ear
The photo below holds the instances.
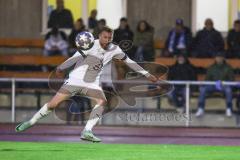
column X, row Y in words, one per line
column 99, row 35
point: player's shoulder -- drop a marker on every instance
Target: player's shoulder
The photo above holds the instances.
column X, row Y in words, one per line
column 117, row 52
column 96, row 42
column 114, row 48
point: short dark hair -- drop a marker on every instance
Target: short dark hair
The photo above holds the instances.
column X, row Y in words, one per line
column 148, row 27
column 124, row 19
column 102, row 21
column 106, row 29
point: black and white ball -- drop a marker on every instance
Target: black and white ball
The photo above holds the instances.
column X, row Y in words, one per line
column 84, row 40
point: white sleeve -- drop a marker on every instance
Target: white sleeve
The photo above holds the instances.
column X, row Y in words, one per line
column 120, row 55
column 71, row 61
column 137, row 68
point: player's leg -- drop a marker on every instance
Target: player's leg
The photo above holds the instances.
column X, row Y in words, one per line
column 95, row 115
column 204, row 91
column 228, row 94
column 45, row 110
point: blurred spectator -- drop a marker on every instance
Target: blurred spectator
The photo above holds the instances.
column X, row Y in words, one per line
column 208, row 42
column 123, row 32
column 92, row 21
column 56, row 43
column 60, row 17
column 75, row 112
column 101, row 23
column 78, row 27
column 179, row 40
column 143, row 41
column 182, row 70
column 219, row 71
column 233, row 41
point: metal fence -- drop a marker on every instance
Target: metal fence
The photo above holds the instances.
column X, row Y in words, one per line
column 188, row 84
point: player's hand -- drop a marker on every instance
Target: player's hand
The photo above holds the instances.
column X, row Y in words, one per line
column 152, row 78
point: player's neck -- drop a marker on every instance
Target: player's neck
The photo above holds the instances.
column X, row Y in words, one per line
column 105, row 47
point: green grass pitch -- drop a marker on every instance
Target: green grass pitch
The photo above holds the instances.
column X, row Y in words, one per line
column 90, row 151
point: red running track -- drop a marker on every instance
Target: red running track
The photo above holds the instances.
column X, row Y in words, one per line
column 125, row 135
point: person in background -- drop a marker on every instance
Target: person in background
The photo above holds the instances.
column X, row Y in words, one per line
column 179, row 40
column 233, row 41
column 124, row 33
column 182, row 70
column 238, row 105
column 75, row 112
column 219, row 71
column 92, row 20
column 208, row 42
column 55, row 43
column 143, row 41
column 78, row 27
column 60, row 17
column 101, row 23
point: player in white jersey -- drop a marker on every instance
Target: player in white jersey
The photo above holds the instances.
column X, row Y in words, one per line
column 84, row 79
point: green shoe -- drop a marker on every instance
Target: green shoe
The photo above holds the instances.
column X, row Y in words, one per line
column 88, row 136
column 23, row 126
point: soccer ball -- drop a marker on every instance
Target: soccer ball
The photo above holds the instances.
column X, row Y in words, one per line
column 84, row 40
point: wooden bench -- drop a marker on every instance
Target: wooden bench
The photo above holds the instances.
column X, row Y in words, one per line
column 31, row 60
column 159, row 44
column 21, row 43
column 200, row 63
column 38, row 60
column 28, row 60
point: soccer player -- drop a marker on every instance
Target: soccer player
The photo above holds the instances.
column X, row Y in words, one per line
column 84, row 79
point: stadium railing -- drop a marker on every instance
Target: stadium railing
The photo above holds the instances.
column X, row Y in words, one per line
column 186, row 83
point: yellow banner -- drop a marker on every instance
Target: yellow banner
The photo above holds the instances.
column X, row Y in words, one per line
column 92, row 4
column 74, row 5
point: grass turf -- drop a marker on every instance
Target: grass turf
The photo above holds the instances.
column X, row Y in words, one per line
column 78, row 151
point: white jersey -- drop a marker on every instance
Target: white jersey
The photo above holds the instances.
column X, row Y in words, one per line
column 87, row 71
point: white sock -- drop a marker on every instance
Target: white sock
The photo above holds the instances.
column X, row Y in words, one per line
column 94, row 117
column 44, row 111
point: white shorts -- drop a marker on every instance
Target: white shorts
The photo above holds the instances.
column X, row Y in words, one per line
column 82, row 83
column 89, row 89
